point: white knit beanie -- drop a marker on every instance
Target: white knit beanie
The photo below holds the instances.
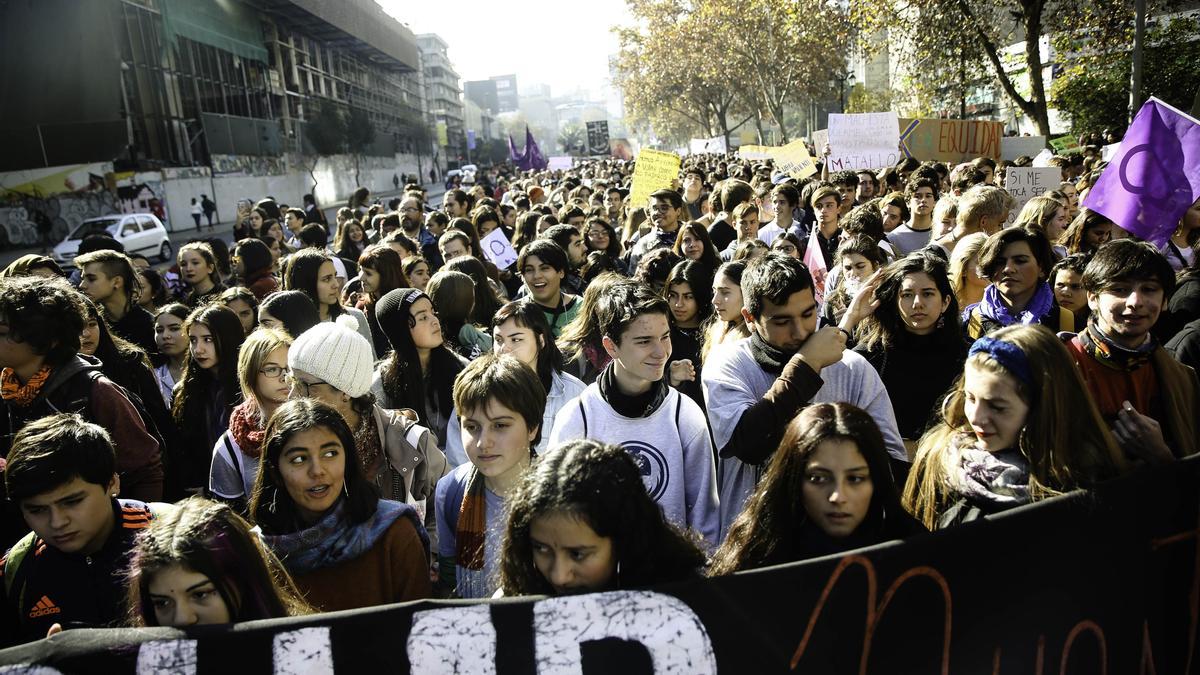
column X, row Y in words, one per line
column 335, row 354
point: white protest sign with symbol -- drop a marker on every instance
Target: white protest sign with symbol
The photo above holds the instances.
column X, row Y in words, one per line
column 498, row 249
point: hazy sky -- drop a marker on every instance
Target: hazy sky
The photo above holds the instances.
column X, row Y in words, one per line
column 542, row 41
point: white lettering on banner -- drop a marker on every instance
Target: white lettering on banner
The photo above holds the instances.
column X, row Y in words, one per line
column 863, row 141
column 306, row 651
column 177, row 657
column 668, row 629
column 453, row 640
column 1026, row 182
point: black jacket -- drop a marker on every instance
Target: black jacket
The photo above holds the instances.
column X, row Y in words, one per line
column 49, row 586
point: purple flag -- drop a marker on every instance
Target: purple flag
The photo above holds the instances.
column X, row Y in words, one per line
column 533, row 154
column 512, row 150
column 1154, row 177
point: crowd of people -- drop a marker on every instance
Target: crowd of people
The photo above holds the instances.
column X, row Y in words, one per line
column 330, row 416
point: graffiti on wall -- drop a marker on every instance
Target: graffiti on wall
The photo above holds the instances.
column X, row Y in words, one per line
column 248, row 165
column 65, row 211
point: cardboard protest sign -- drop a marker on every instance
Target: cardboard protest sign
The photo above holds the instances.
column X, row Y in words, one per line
column 561, row 163
column 1154, row 176
column 753, row 152
column 950, row 141
column 498, row 249
column 1026, row 182
column 1065, row 145
column 863, row 141
column 655, row 170
column 794, row 160
column 820, row 138
column 1012, row 147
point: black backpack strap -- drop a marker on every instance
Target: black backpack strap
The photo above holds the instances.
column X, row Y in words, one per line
column 583, row 414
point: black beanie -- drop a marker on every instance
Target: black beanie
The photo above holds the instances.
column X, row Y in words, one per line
column 393, row 312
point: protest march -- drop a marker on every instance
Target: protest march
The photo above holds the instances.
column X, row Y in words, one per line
column 905, row 394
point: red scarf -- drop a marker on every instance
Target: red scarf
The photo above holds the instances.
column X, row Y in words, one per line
column 246, row 426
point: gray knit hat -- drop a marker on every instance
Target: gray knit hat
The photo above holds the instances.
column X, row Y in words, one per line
column 335, row 354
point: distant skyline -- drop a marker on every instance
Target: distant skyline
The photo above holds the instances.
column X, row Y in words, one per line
column 540, row 41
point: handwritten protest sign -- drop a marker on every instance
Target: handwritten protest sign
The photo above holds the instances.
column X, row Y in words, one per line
column 1065, row 145
column 950, row 140
column 863, row 141
column 794, row 160
column 655, row 170
column 1021, row 146
column 498, row 249
column 820, row 138
column 1026, row 182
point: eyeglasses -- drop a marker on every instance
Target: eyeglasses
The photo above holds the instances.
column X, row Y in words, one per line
column 273, row 371
column 304, row 387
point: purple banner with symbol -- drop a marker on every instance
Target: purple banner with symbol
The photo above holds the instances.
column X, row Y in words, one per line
column 1154, row 177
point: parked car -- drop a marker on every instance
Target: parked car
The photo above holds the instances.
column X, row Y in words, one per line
column 138, row 232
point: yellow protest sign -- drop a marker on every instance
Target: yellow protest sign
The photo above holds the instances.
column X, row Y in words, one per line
column 655, row 170
column 794, row 160
column 752, row 152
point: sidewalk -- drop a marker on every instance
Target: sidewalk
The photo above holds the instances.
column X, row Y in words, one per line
column 224, row 229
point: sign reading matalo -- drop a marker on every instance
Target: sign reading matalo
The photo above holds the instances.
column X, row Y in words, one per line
column 950, row 141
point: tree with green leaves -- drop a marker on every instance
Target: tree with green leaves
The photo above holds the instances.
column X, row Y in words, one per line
column 954, row 36
column 325, row 133
column 360, row 134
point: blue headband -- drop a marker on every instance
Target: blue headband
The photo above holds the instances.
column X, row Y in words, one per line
column 1007, row 355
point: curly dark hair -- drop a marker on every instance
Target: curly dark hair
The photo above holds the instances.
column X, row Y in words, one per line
column 601, row 485
column 46, row 314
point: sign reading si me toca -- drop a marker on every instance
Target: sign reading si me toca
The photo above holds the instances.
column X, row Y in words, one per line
column 1076, row 585
column 1026, row 182
column 863, row 141
column 654, row 170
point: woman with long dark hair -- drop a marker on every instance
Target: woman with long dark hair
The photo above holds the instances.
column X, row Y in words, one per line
column 290, row 311
column 914, row 340
column 198, row 269
column 487, row 297
column 689, row 293
column 581, row 521
column 827, row 489
column 694, row 243
column 209, row 390
column 172, row 345
column 420, row 372
column 345, row 547
column 381, row 271
column 312, row 272
column 254, row 266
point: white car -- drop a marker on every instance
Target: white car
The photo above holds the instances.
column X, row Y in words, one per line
column 138, row 232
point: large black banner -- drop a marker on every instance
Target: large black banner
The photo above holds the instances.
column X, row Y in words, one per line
column 1101, row 583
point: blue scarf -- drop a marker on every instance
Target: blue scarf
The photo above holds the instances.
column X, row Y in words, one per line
column 334, row 539
column 992, row 307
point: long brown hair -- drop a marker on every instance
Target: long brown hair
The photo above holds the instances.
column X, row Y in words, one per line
column 768, row 529
column 1066, row 441
column 386, row 262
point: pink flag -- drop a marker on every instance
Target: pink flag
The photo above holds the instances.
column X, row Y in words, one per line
column 815, row 261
